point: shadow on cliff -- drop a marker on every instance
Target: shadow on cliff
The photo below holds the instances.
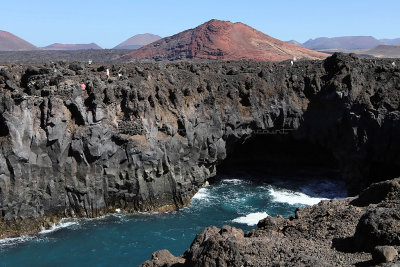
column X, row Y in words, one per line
column 363, row 146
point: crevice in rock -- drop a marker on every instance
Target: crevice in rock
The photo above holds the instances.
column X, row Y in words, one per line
column 151, row 101
column 4, row 131
column 76, row 115
column 172, row 97
column 11, row 171
column 244, row 99
column 181, row 128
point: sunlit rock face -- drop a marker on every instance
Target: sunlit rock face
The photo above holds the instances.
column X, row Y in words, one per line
column 147, row 140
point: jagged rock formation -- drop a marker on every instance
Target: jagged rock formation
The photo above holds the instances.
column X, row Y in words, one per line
column 222, row 40
column 150, row 139
column 138, row 41
column 58, row 46
column 10, row 42
column 331, row 233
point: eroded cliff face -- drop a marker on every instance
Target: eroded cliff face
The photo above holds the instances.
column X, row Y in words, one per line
column 150, row 139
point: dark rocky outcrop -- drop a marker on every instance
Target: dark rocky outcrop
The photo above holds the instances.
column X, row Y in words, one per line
column 150, row 139
column 326, row 234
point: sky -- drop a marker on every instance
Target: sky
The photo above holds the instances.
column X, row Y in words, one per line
column 108, row 23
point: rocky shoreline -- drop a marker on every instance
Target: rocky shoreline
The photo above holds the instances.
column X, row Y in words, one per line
column 358, row 231
column 149, row 139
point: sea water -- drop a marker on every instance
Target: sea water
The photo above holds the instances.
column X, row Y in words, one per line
column 129, row 239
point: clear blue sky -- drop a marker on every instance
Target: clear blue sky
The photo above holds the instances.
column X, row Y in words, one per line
column 108, row 23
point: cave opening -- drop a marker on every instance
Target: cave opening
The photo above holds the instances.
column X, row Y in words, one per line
column 281, row 155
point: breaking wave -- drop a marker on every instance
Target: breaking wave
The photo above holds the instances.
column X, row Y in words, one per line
column 251, row 219
column 292, row 197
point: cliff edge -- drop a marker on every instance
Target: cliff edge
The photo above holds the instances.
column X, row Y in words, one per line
column 149, row 139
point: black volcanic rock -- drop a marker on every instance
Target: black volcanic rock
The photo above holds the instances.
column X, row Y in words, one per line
column 378, row 227
column 319, row 235
column 149, row 139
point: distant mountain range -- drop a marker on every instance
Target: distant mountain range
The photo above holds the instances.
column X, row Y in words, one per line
column 138, row 41
column 10, row 42
column 58, row 46
column 345, row 42
column 222, row 40
column 392, row 51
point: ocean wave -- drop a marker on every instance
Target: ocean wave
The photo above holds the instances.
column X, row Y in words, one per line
column 64, row 223
column 202, row 194
column 233, row 181
column 292, row 198
column 251, row 219
column 15, row 240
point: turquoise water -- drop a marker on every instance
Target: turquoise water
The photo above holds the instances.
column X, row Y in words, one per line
column 129, row 240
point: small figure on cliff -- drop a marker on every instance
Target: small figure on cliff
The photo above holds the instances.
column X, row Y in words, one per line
column 90, row 62
column 83, row 86
column 393, row 64
column 119, row 73
column 108, row 73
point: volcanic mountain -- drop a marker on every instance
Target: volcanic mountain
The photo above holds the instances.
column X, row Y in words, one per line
column 395, row 41
column 294, row 42
column 138, row 41
column 222, row 40
column 10, row 42
column 58, row 46
column 344, row 42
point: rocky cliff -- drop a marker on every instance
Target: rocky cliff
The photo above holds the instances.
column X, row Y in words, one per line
column 149, row 139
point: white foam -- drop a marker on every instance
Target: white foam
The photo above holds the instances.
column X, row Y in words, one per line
column 202, row 194
column 15, row 240
column 64, row 223
column 292, row 198
column 251, row 219
column 233, row 181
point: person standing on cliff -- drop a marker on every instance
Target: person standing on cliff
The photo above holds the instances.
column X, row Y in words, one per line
column 108, row 73
column 119, row 73
column 83, row 86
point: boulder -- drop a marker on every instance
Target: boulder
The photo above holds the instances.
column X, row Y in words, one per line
column 384, row 254
column 378, row 227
